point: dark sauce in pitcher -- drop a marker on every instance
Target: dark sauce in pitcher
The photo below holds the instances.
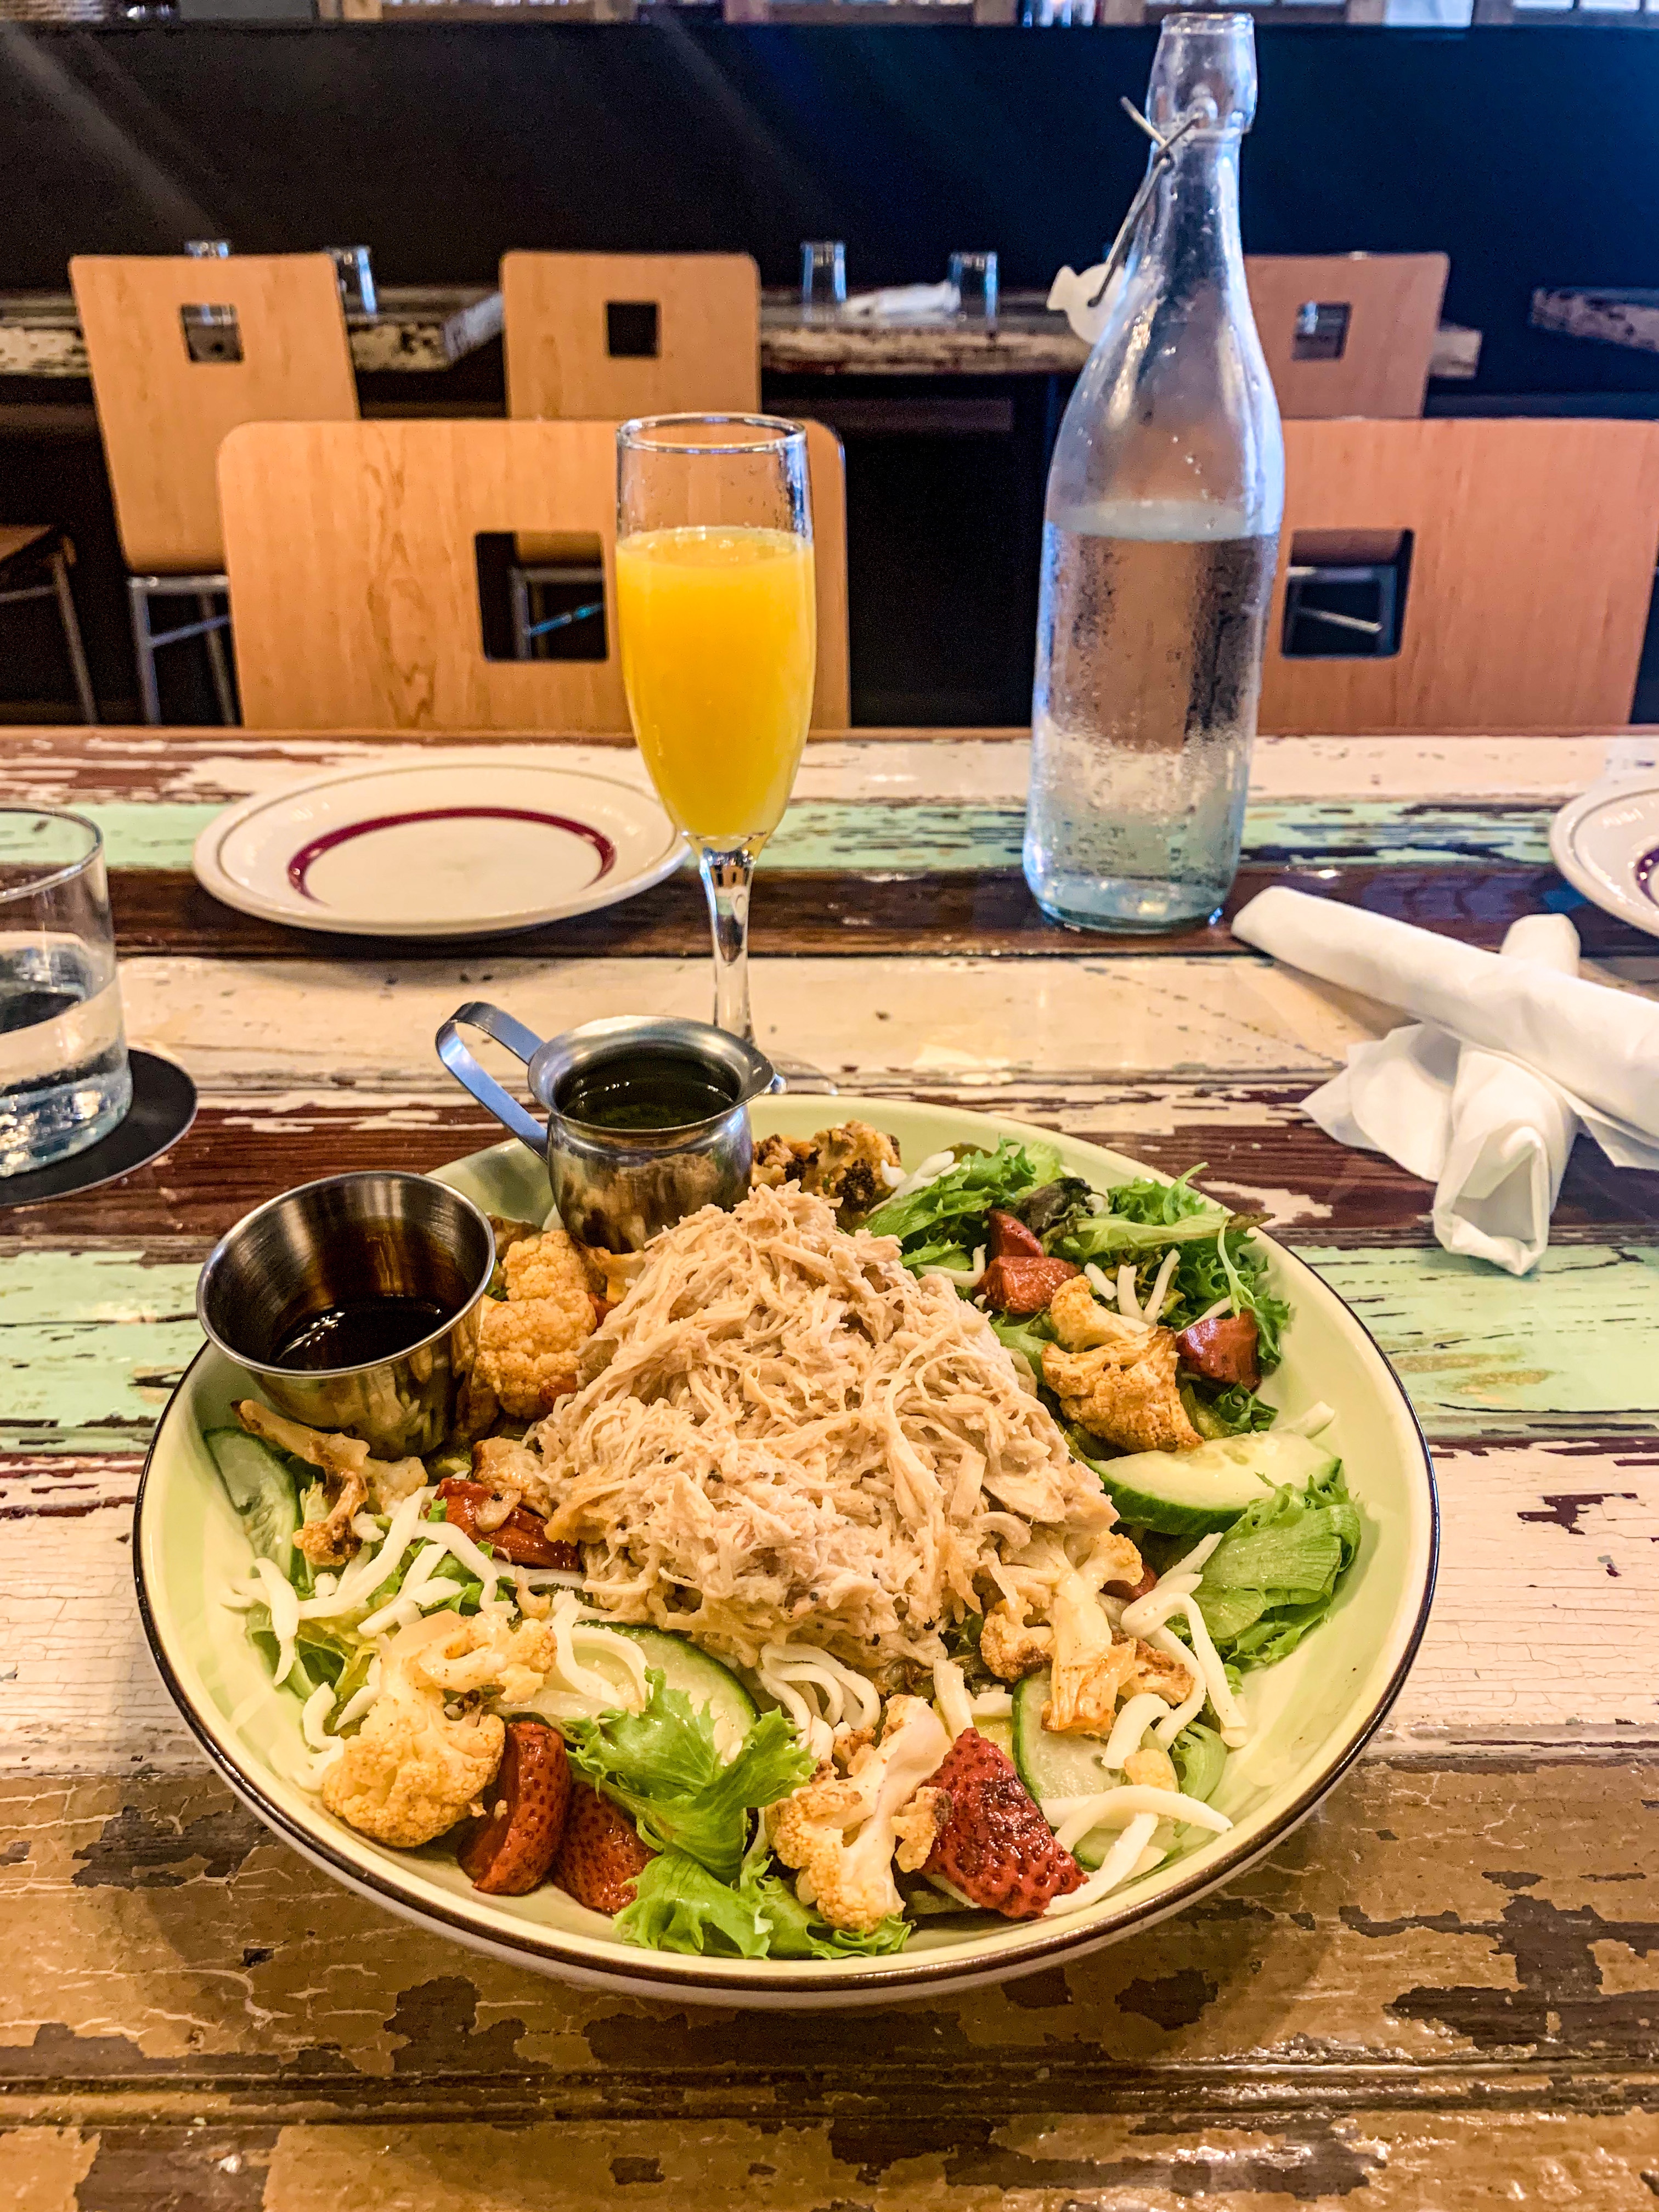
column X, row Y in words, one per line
column 646, row 1091
column 359, row 1331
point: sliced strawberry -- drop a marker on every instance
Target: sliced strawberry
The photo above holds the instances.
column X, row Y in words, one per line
column 1225, row 1350
column 996, row 1847
column 1023, row 1287
column 508, row 1852
column 601, row 1854
column 521, row 1540
column 1010, row 1239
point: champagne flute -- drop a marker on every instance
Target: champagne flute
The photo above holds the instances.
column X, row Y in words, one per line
column 717, row 621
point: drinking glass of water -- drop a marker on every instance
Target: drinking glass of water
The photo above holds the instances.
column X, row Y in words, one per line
column 64, row 1081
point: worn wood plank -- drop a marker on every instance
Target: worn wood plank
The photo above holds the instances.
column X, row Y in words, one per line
column 59, row 766
column 973, row 1020
column 1057, row 2162
column 1262, row 1154
column 1546, row 1625
column 860, row 913
column 1110, row 1016
column 916, row 834
column 1438, row 1934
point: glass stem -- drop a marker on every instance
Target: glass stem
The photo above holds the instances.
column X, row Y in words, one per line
column 726, row 878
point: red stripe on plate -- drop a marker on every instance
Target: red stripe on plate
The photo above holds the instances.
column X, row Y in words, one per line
column 307, row 856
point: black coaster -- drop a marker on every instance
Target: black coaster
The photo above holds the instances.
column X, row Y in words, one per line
column 163, row 1106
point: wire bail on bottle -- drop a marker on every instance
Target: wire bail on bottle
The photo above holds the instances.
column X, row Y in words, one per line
column 1166, row 144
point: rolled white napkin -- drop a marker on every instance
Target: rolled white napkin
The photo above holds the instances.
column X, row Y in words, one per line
column 1598, row 1046
column 1493, row 1136
column 898, row 303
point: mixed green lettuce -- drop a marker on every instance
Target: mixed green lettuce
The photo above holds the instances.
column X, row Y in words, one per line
column 940, row 1225
column 678, row 1906
column 662, row 1766
column 1273, row 1575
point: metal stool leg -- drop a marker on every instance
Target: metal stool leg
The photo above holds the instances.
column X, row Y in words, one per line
column 520, row 587
column 214, row 639
column 72, row 642
column 144, row 650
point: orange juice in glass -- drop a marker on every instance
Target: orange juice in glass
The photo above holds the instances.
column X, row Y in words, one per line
column 716, row 617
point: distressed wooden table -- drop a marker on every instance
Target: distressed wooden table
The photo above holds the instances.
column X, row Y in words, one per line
column 1442, row 1993
column 418, row 327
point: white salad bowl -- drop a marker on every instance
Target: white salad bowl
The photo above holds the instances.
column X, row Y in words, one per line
column 1310, row 1715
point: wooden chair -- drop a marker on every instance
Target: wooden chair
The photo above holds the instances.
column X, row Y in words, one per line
column 591, row 334
column 1348, row 333
column 1531, row 568
column 34, row 564
column 181, row 351
column 587, row 336
column 353, row 574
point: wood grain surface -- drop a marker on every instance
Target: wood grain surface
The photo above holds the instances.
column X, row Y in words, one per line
column 164, row 415
column 1441, row 1993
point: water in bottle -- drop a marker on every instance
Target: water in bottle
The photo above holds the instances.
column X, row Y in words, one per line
column 1160, row 540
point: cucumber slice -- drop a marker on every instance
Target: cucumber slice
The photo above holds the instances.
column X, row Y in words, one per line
column 1060, row 1765
column 1191, row 1493
column 999, row 1732
column 259, row 1485
column 704, row 1680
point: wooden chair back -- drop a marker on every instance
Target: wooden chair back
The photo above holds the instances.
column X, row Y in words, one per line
column 573, row 322
column 163, row 415
column 1531, row 571
column 1387, row 306
column 354, row 579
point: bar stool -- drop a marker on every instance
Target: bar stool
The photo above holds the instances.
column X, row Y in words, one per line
column 27, row 549
column 181, row 350
column 616, row 335
column 361, row 539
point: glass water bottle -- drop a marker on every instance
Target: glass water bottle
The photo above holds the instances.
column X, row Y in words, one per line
column 1160, row 539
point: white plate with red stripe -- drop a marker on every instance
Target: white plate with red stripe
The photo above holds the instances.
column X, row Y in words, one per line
column 455, row 844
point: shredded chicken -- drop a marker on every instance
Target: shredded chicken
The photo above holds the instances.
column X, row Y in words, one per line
column 1124, row 1391
column 781, row 1424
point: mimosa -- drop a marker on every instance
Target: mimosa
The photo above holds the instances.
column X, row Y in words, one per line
column 718, row 636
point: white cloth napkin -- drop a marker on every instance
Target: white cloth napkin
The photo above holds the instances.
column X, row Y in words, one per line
column 1484, row 1097
column 902, row 303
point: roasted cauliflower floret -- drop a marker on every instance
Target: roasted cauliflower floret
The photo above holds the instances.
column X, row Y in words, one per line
column 529, row 1343
column 1124, row 1391
column 779, row 1160
column 1151, row 1769
column 840, row 1832
column 411, row 1773
column 488, row 1654
column 509, row 1467
column 1160, row 1674
column 1090, row 1665
column 351, row 1478
column 848, row 1167
column 1082, row 1322
column 1010, row 1649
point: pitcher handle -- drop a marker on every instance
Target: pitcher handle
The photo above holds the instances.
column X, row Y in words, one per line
column 524, row 1044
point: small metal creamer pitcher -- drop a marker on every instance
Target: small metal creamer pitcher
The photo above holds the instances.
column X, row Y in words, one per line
column 617, row 1185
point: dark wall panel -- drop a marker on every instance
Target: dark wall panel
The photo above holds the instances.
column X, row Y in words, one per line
column 443, row 145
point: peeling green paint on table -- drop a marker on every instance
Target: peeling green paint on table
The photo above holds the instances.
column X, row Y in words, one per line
column 925, row 836
column 91, row 1341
